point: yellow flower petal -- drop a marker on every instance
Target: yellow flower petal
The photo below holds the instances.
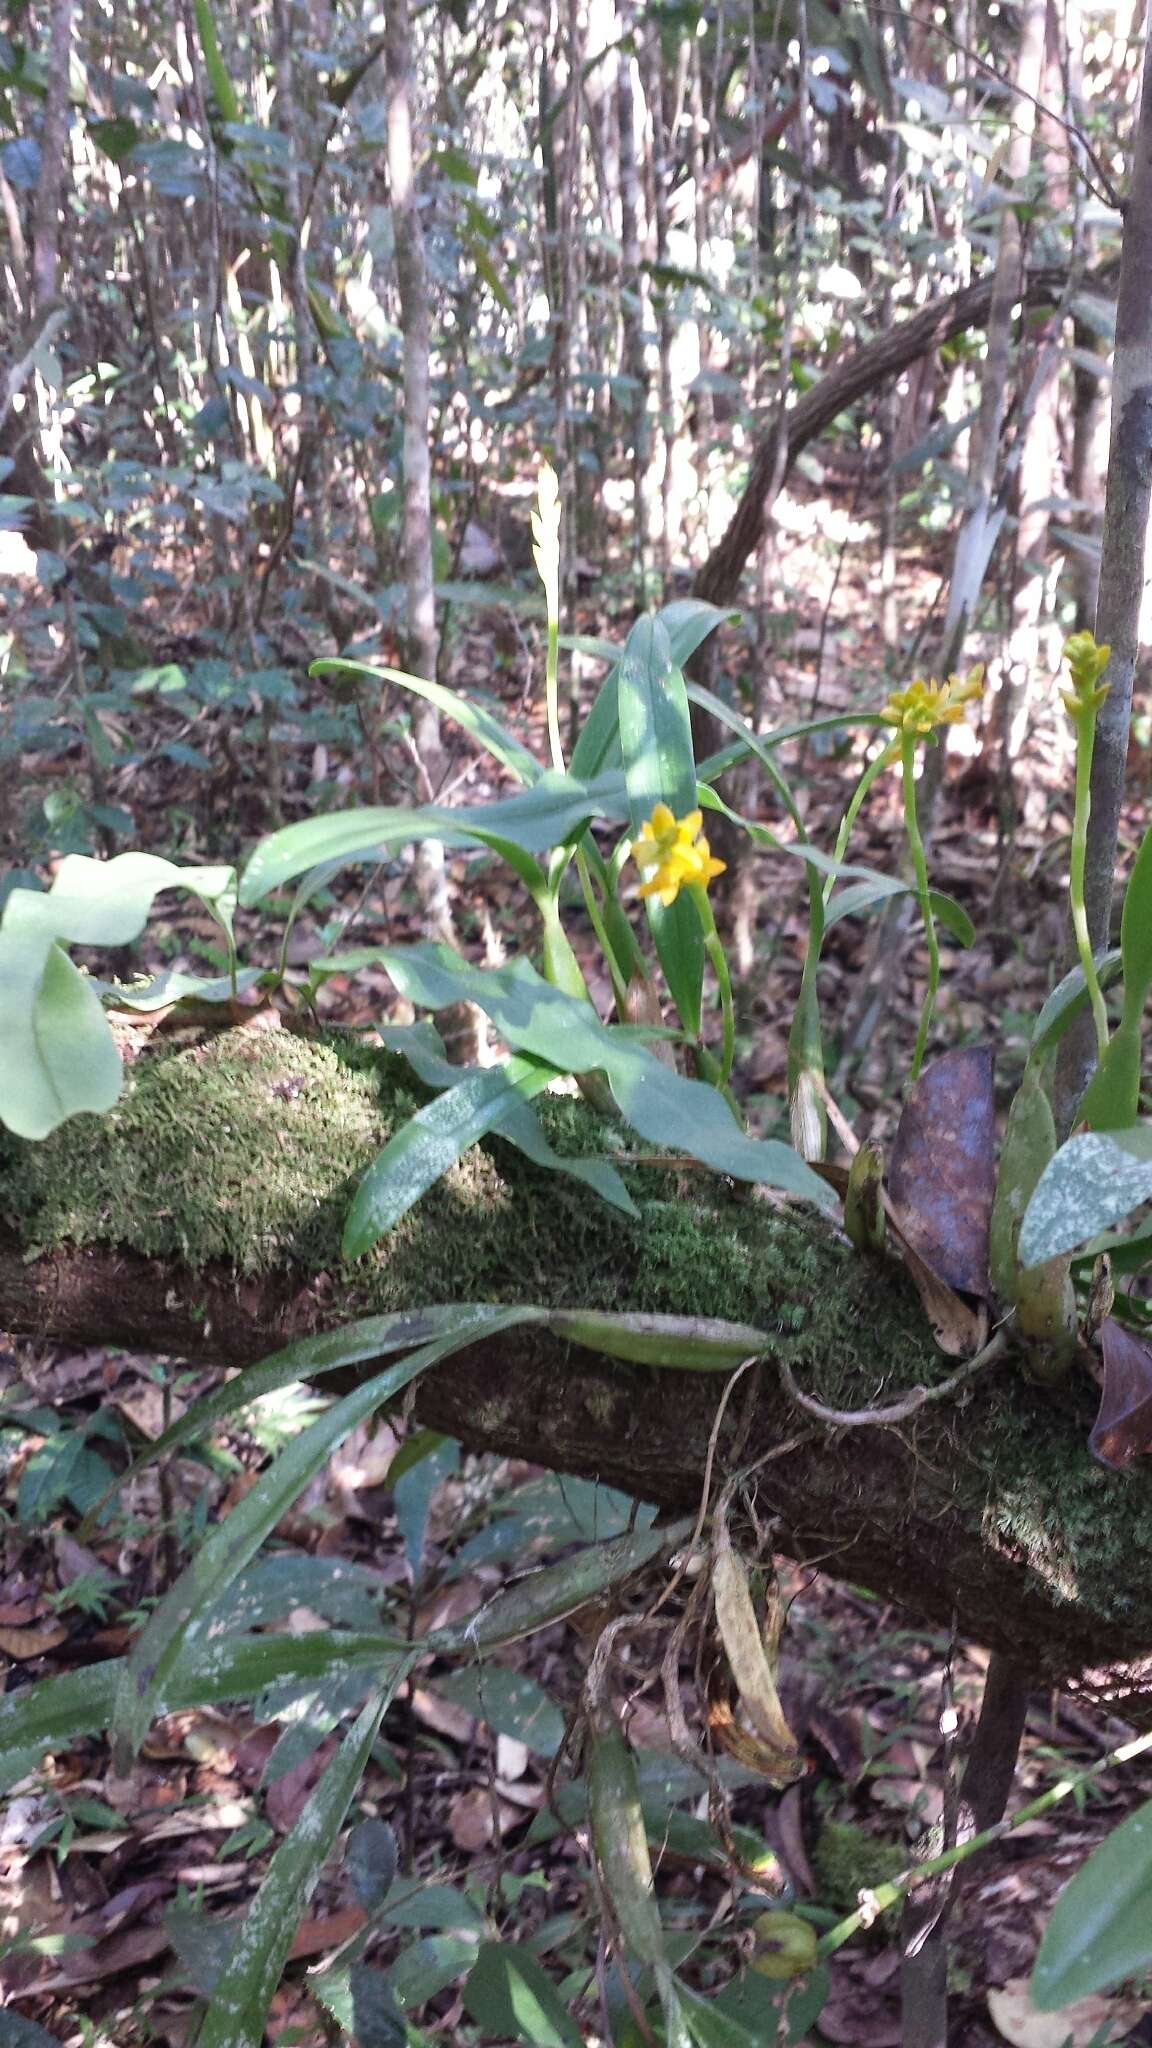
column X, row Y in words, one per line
column 678, row 852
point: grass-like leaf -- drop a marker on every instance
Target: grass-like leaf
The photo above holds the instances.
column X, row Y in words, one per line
column 236, row 2016
column 184, row 1613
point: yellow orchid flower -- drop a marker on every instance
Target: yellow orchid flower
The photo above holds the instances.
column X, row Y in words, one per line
column 1087, row 662
column 924, row 706
column 678, row 851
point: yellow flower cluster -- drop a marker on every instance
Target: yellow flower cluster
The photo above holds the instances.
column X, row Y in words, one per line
column 1086, row 664
column 924, row 706
column 678, row 851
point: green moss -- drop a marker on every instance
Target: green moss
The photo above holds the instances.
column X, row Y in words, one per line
column 1082, row 1529
column 244, row 1148
column 847, row 1860
column 247, row 1147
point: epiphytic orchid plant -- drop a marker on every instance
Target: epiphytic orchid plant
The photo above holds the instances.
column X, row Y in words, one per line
column 625, row 811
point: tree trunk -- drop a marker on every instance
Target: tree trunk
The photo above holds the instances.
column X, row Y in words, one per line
column 1127, row 499
column 419, row 578
column 53, row 159
column 860, row 372
column 202, row 1219
column 981, row 521
column 635, row 359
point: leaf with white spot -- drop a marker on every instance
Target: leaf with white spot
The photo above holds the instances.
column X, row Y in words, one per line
column 1093, row 1180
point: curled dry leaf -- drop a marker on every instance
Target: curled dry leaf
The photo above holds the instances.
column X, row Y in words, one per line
column 1122, row 1430
column 960, row 1329
column 24, row 1643
column 768, row 1745
column 942, row 1179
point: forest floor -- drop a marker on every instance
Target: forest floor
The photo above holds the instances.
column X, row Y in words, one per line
column 110, row 1888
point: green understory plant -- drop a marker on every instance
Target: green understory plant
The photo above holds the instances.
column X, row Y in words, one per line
column 629, row 803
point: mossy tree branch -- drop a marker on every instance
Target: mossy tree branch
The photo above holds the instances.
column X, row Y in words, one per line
column 201, row 1219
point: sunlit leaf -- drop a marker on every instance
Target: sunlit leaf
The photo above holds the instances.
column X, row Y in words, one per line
column 57, row 1054
column 666, row 1108
column 687, row 622
column 552, row 811
column 423, row 1149
column 694, row 1343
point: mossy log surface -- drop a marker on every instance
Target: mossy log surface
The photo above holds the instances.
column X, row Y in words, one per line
column 201, row 1219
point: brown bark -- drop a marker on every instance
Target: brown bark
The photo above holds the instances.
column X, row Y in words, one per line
column 1128, row 495
column 861, row 372
column 415, row 321
column 1127, row 501
column 884, row 1508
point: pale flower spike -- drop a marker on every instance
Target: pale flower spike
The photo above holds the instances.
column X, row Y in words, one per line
column 546, row 532
column 1087, row 660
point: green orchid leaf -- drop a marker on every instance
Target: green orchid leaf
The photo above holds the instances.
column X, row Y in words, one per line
column 309, row 1358
column 238, row 2010
column 424, row 1148
column 423, row 1048
column 1067, row 998
column 659, row 767
column 752, row 741
column 689, row 1343
column 1136, row 928
column 862, row 896
column 1112, row 1098
column 55, row 1711
column 565, row 1032
column 552, row 811
column 687, row 621
column 1093, row 1180
column 479, row 724
column 557, row 1590
column 1101, row 1926
column 520, row 1126
column 171, row 985
column 183, row 1615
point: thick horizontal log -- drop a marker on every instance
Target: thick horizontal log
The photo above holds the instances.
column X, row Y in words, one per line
column 201, row 1220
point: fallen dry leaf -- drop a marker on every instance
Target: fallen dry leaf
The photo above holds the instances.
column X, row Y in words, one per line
column 1017, row 2019
column 943, row 1173
column 1122, row 1430
column 23, row 1643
